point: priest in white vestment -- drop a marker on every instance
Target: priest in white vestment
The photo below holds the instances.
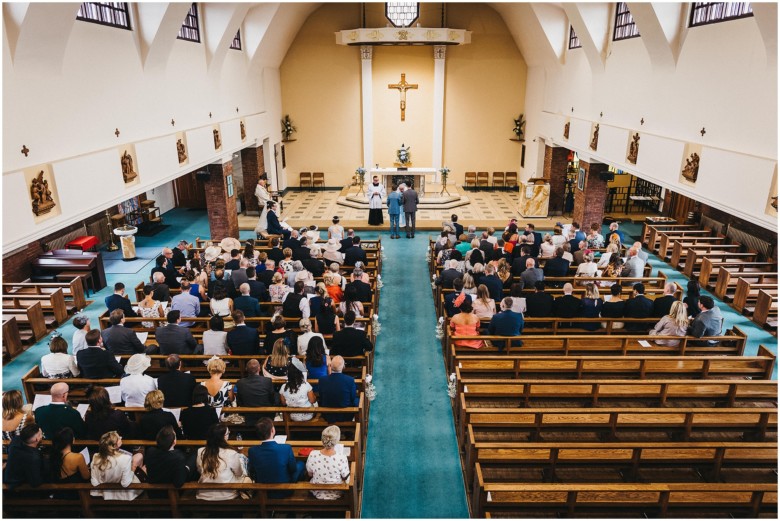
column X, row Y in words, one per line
column 263, row 197
column 376, row 192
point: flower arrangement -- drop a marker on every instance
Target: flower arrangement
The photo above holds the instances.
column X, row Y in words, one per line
column 361, row 174
column 370, row 389
column 444, row 171
column 382, row 253
column 452, row 386
column 440, row 328
column 376, row 326
column 287, row 127
column 403, row 155
column 519, row 129
column 379, row 282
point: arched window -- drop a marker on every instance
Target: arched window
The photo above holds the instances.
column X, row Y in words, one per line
column 574, row 41
column 625, row 27
column 190, row 30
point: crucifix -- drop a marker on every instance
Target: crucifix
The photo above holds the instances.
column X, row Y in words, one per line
column 402, row 87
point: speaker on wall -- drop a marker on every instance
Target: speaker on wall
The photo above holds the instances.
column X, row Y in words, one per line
column 203, row 175
column 607, row 176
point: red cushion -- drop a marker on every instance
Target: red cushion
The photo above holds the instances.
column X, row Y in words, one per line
column 84, row 242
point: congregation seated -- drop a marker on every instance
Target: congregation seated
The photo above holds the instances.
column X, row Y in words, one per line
column 295, row 304
column 673, row 324
column 567, row 305
column 328, row 466
column 65, row 465
column 337, row 390
column 588, row 268
column 557, row 266
column 350, row 341
column 507, row 323
column 167, row 464
column 155, row 417
column 297, row 392
column 242, row 339
column 326, row 322
column 82, row 325
column 196, row 420
column 113, row 465
column 136, row 385
column 161, row 292
column 663, row 304
column 220, row 304
column 709, row 321
column 519, row 303
column 531, row 274
column 465, row 323
column 276, row 364
column 215, row 338
column 186, row 303
column 540, row 303
column 101, row 416
column 306, row 334
column 638, row 306
column 484, row 306
column 318, row 362
column 257, row 289
column 634, row 266
column 278, row 330
column 219, row 390
column 217, row 462
column 119, row 300
column 272, row 462
column 26, row 465
column 58, row 414
column 121, row 340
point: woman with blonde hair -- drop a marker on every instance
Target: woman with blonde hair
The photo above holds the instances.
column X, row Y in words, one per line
column 219, row 463
column 278, row 288
column 328, row 466
column 547, row 250
column 484, row 306
column 591, row 306
column 276, row 364
column 673, row 324
column 220, row 392
column 155, row 417
column 612, row 249
column 287, row 263
column 334, row 288
column 113, row 465
column 469, row 287
column 588, row 268
column 15, row 414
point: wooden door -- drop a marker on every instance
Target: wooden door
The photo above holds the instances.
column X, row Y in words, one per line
column 679, row 206
column 190, row 192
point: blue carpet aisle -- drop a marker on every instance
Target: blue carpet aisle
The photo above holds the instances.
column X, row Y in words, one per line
column 412, row 464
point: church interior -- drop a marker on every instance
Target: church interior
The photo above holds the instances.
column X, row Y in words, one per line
column 130, row 127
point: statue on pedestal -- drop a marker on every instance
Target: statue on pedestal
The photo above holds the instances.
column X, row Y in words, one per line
column 42, row 201
column 128, row 173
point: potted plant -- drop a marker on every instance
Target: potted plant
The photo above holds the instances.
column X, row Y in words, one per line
column 287, row 127
column 519, row 129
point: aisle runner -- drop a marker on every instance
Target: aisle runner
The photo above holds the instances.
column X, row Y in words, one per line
column 412, row 462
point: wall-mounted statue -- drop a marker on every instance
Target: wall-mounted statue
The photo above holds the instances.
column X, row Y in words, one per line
column 42, row 201
column 128, row 172
column 594, row 143
column 181, row 151
column 633, row 149
column 566, row 130
column 774, row 202
column 243, row 131
column 691, row 169
column 217, row 140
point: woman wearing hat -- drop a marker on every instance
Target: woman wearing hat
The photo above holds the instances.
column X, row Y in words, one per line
column 331, row 252
column 212, row 252
column 137, row 385
column 297, row 392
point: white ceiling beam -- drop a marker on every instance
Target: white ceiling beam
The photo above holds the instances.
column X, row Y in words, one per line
column 219, row 25
column 158, row 25
column 765, row 15
column 43, row 35
column 591, row 22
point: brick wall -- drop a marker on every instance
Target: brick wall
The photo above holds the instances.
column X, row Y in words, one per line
column 223, row 219
column 18, row 266
column 589, row 204
column 555, row 161
column 253, row 165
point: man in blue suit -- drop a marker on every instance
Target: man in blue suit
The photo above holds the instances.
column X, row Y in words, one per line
column 119, row 301
column 274, row 227
column 338, row 390
column 272, row 462
column 242, row 339
column 507, row 323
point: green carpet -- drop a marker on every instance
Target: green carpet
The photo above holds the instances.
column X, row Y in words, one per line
column 412, row 463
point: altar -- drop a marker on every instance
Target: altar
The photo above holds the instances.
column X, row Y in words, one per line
column 413, row 177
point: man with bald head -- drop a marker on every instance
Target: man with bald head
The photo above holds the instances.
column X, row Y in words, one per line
column 662, row 305
column 58, row 414
column 338, row 390
column 247, row 303
column 255, row 390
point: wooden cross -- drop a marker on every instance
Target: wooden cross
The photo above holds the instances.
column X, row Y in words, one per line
column 402, row 87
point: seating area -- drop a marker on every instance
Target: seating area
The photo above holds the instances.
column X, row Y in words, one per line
column 311, row 180
column 483, row 180
column 605, row 422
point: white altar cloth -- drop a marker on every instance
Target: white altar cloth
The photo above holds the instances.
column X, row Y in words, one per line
column 420, row 175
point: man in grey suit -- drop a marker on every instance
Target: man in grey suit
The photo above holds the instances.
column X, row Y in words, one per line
column 410, row 201
column 173, row 338
column 120, row 340
column 531, row 274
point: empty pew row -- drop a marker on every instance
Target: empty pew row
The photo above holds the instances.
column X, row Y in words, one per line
column 651, row 232
column 72, row 291
column 12, row 339
column 667, row 241
column 765, row 311
column 695, row 259
column 515, row 500
column 746, row 293
column 640, row 367
column 716, row 275
column 725, row 285
column 701, row 246
column 52, row 305
column 30, row 321
column 633, row 461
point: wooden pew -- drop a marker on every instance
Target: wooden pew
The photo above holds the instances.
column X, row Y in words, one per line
column 640, row 367
column 12, row 340
column 51, row 304
column 32, row 323
column 666, row 240
column 73, row 291
column 711, row 271
column 746, row 293
column 693, row 258
column 651, row 232
column 183, row 503
column 622, row 499
column 630, row 461
column 765, row 311
column 680, row 249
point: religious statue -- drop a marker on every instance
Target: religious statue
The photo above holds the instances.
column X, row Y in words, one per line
column 403, row 156
column 773, row 202
column 128, row 173
column 402, row 87
column 691, row 169
column 566, row 130
column 217, row 140
column 519, row 129
column 42, row 201
column 594, row 143
column 243, row 131
column 181, row 151
column 633, row 149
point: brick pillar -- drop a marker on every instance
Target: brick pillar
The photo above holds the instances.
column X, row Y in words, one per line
column 223, row 219
column 253, row 165
column 555, row 161
column 589, row 204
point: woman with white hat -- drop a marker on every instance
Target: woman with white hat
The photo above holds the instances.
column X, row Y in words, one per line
column 212, row 252
column 135, row 386
column 331, row 252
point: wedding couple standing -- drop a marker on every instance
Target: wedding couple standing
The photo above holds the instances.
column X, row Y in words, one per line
column 406, row 199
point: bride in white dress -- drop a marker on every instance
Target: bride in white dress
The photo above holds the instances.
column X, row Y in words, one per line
column 402, row 217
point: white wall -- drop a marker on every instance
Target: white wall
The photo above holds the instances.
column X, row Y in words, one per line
column 721, row 82
column 67, row 118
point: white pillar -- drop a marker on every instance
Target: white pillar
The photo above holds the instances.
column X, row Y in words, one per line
column 439, row 53
column 366, row 52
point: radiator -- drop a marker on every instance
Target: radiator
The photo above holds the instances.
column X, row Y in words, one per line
column 712, row 224
column 750, row 242
column 60, row 242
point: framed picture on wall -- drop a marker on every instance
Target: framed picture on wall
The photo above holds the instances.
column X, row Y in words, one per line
column 229, row 180
column 581, row 180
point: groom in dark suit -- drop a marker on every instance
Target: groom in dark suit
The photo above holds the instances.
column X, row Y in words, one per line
column 409, row 200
